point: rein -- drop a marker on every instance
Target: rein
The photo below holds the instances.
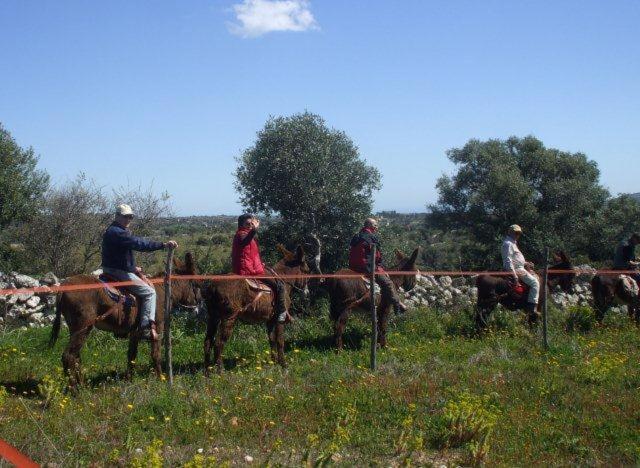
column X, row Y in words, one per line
column 293, row 286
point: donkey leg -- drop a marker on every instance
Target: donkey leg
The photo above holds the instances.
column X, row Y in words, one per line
column 221, row 339
column 71, row 357
column 132, row 353
column 339, row 325
column 273, row 341
column 155, row 357
column 383, row 321
column 212, row 328
column 280, row 342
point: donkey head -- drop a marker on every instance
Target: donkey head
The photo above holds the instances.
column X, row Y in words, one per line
column 186, row 292
column 407, row 264
column 293, row 263
column 564, row 280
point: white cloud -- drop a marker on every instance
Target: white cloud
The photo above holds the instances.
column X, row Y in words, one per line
column 258, row 17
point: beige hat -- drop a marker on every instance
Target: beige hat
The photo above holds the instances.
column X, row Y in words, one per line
column 124, row 210
column 515, row 228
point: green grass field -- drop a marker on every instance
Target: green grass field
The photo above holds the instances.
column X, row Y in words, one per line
column 439, row 397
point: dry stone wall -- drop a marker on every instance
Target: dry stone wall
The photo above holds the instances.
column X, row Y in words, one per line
column 444, row 292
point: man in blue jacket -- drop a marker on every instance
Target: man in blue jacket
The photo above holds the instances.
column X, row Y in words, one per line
column 118, row 261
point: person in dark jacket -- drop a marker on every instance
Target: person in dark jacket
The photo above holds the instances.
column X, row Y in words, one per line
column 246, row 261
column 118, row 261
column 625, row 255
column 360, row 260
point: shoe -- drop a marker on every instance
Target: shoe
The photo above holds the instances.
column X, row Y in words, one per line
column 284, row 317
column 400, row 308
column 149, row 334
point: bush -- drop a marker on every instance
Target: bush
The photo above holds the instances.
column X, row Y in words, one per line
column 580, row 319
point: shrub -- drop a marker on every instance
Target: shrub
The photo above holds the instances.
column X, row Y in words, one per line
column 580, row 319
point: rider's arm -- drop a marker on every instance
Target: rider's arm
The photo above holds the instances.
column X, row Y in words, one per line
column 247, row 238
column 126, row 239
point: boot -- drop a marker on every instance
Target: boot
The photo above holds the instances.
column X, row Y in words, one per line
column 532, row 313
column 399, row 307
column 281, row 310
column 149, row 334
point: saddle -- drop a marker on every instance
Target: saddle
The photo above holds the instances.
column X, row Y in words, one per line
column 257, row 285
column 124, row 301
column 630, row 285
column 518, row 290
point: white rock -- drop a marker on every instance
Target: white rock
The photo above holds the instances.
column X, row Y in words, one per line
column 50, row 279
column 24, row 297
column 36, row 318
column 24, row 281
column 445, row 281
column 248, row 458
column 33, row 302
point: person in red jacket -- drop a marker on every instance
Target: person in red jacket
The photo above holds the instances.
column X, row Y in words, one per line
column 360, row 260
column 246, row 261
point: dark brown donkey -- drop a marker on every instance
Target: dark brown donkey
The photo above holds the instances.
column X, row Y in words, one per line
column 347, row 294
column 250, row 302
column 84, row 310
column 610, row 289
column 494, row 290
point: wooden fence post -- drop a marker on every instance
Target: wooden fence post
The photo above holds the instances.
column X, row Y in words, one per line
column 168, row 357
column 374, row 315
column 545, row 277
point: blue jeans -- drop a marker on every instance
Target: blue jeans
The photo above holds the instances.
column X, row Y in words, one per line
column 145, row 294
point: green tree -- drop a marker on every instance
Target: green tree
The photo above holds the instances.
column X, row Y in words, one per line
column 22, row 185
column 312, row 179
column 555, row 195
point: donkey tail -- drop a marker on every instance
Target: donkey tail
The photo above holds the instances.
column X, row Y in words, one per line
column 55, row 331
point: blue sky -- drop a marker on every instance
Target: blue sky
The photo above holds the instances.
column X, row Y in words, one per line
column 171, row 91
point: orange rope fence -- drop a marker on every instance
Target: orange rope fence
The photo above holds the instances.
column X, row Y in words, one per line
column 100, row 285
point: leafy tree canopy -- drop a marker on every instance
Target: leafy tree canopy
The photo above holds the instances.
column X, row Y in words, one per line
column 555, row 195
column 22, row 185
column 312, row 177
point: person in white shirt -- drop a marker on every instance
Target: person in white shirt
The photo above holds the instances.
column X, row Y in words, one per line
column 513, row 261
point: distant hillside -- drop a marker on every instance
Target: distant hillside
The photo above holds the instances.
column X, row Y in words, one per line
column 636, row 196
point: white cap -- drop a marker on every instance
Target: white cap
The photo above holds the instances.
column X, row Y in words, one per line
column 515, row 228
column 124, row 210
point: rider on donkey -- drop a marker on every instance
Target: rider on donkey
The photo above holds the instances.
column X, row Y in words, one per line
column 360, row 260
column 118, row 261
column 246, row 261
column 625, row 256
column 514, row 262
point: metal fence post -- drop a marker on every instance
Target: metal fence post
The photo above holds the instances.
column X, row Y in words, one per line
column 545, row 277
column 374, row 315
column 168, row 357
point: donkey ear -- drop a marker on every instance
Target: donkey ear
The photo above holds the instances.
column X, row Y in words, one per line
column 285, row 253
column 189, row 264
column 299, row 254
column 414, row 256
column 399, row 255
column 177, row 264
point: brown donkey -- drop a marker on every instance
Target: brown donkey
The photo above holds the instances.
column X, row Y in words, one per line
column 347, row 294
column 84, row 310
column 494, row 290
column 250, row 302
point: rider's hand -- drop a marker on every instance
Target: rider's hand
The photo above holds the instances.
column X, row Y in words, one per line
column 138, row 269
column 171, row 245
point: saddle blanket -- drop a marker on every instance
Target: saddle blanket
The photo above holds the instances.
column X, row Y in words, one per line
column 630, row 285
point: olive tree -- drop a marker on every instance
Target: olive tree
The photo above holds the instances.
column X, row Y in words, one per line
column 312, row 179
